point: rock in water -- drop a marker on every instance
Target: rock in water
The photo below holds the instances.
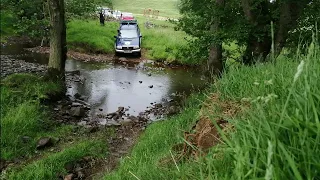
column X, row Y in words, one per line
column 77, row 111
column 77, row 96
column 44, row 142
column 120, row 109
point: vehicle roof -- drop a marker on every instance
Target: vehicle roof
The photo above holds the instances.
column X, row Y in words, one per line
column 128, row 27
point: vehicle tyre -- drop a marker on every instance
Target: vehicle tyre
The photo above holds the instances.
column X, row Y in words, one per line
column 139, row 54
column 117, row 54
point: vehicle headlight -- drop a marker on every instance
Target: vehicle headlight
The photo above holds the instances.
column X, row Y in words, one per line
column 135, row 47
column 119, row 47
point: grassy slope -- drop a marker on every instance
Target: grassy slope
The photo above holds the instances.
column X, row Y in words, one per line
column 278, row 137
column 167, row 8
column 91, row 36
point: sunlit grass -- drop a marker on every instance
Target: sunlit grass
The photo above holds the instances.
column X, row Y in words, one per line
column 167, row 8
column 90, row 36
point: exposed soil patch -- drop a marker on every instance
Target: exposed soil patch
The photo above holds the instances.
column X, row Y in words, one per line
column 206, row 132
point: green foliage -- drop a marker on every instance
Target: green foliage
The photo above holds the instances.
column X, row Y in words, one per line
column 276, row 136
column 7, row 20
column 83, row 9
column 31, row 18
column 21, row 114
column 236, row 25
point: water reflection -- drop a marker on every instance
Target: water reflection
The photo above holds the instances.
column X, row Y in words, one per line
column 112, row 86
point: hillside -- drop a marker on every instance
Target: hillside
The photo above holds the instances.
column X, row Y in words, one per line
column 167, row 8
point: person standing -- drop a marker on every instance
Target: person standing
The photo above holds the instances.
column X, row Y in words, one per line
column 101, row 18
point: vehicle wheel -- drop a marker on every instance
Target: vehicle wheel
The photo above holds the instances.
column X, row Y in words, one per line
column 117, row 54
column 139, row 54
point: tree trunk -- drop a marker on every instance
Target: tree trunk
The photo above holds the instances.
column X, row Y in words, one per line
column 259, row 39
column 58, row 47
column 289, row 13
column 215, row 63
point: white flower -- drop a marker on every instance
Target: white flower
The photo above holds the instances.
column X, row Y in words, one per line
column 299, row 71
column 256, row 83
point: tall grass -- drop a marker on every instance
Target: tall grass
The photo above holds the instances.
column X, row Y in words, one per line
column 276, row 137
column 21, row 114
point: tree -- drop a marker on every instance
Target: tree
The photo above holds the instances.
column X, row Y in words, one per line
column 58, row 46
column 215, row 63
column 246, row 22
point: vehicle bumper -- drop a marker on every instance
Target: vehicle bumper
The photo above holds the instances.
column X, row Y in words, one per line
column 128, row 51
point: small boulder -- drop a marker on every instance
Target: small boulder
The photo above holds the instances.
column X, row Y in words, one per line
column 151, row 86
column 140, row 82
column 158, row 105
column 68, row 177
column 44, row 142
column 77, row 96
column 122, row 59
column 76, row 104
column 120, row 109
column 173, row 110
column 77, row 112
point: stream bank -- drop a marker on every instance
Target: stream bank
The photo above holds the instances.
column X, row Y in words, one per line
column 123, row 95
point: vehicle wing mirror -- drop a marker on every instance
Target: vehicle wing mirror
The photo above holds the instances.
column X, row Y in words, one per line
column 140, row 36
column 115, row 36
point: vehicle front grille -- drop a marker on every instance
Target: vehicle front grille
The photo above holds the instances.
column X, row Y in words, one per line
column 127, row 48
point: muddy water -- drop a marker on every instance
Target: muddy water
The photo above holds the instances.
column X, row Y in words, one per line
column 107, row 86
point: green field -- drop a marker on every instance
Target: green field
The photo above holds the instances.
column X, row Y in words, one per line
column 167, row 8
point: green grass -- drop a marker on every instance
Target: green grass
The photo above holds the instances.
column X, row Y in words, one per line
column 167, row 8
column 276, row 137
column 163, row 43
column 53, row 165
column 22, row 115
column 90, row 36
